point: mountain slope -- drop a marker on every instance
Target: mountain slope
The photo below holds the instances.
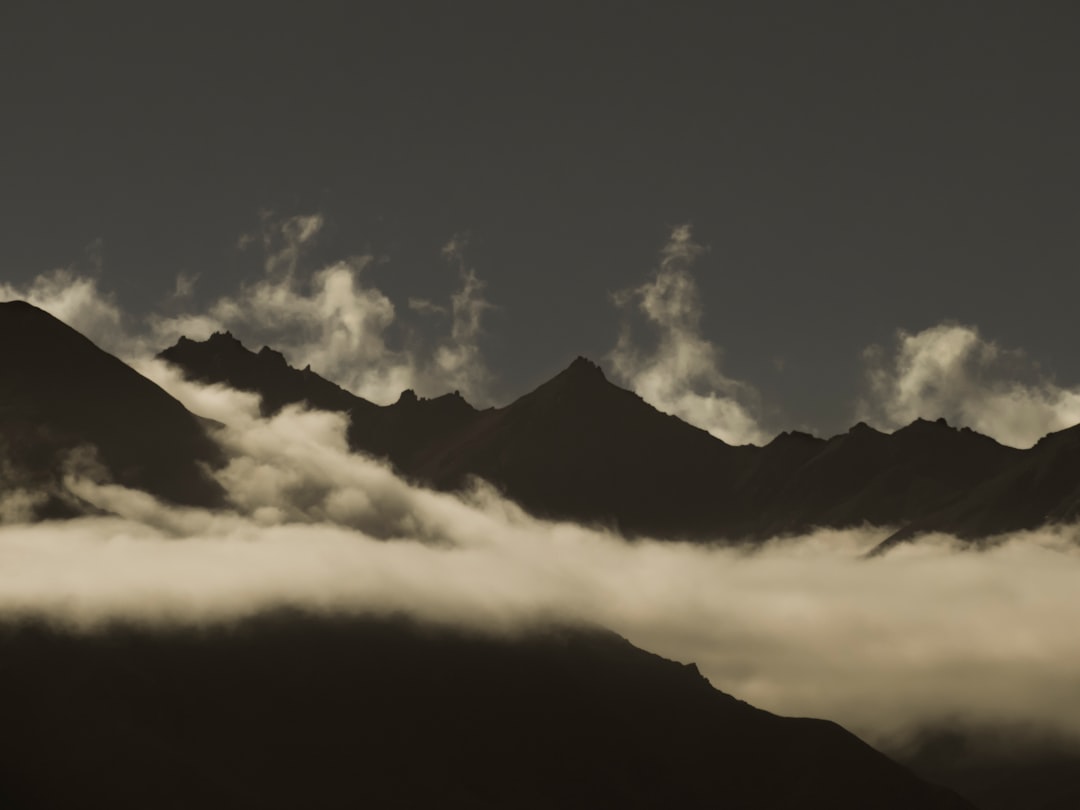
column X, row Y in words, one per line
column 395, row 431
column 580, row 448
column 292, row 711
column 865, row 476
column 60, row 393
column 1041, row 487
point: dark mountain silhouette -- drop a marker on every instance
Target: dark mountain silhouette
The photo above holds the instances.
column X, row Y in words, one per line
column 396, row 432
column 999, row 768
column 61, row 394
column 580, row 448
column 1041, row 487
column 891, row 479
column 577, row 447
column 291, row 711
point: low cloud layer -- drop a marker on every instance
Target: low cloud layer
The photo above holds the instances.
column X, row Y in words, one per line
column 951, row 370
column 925, row 634
column 680, row 372
column 806, row 626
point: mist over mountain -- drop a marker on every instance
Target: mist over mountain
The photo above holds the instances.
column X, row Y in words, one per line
column 581, row 448
column 304, row 522
column 305, row 500
column 66, row 402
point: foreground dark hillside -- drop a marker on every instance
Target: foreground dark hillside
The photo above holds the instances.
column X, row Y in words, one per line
column 288, row 711
column 999, row 768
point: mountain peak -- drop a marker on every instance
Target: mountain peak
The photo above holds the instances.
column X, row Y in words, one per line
column 225, row 338
column 584, row 369
column 22, row 315
column 922, row 423
column 219, row 340
column 276, row 358
column 581, row 379
column 62, row 392
column 794, row 438
column 19, row 304
column 863, row 429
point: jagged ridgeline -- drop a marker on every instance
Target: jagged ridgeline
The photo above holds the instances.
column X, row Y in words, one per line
column 581, row 448
column 577, row 448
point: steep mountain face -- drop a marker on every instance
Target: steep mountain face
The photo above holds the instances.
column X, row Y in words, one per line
column 865, row 476
column 1040, row 486
column 397, row 432
column 292, row 711
column 223, row 359
column 581, row 448
column 60, row 394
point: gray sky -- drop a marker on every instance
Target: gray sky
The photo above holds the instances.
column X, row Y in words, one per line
column 853, row 169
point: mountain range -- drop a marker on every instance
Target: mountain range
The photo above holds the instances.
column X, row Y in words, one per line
column 576, row 448
column 290, row 709
column 580, row 448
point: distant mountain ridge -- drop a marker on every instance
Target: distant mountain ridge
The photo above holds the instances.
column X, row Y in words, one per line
column 576, row 448
column 579, row 447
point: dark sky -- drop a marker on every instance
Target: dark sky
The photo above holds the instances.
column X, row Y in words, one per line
column 854, row 168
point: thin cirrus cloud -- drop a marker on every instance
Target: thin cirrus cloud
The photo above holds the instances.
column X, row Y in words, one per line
column 680, row 372
column 805, row 626
column 952, row 371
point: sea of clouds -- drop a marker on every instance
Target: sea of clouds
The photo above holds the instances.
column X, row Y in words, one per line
column 930, row 633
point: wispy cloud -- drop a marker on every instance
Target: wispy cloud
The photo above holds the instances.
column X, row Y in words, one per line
column 331, row 317
column 457, row 356
column 951, row 370
column 680, row 373
column 76, row 298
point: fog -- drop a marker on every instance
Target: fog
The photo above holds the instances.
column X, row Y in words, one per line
column 928, row 633
column 804, row 626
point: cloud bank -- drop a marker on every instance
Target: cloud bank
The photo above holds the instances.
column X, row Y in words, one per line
column 680, row 373
column 806, row 626
column 951, row 370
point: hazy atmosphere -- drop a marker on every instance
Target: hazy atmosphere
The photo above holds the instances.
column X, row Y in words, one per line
column 804, row 626
column 764, row 220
